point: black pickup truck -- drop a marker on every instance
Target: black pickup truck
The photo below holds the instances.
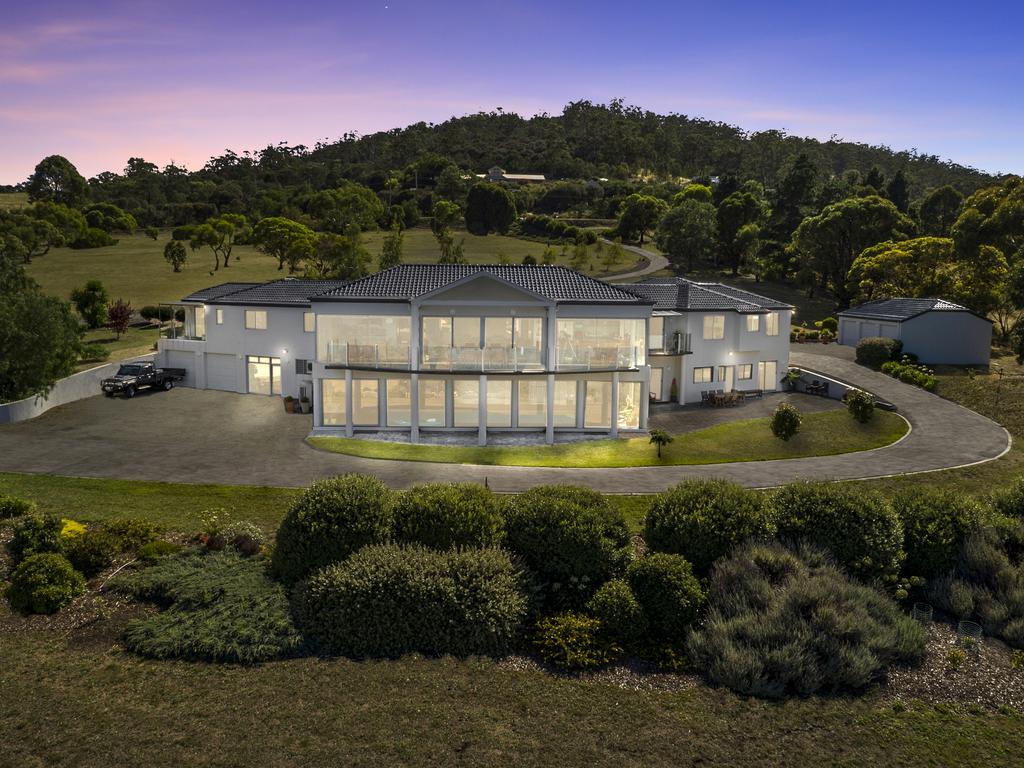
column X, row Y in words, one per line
column 131, row 377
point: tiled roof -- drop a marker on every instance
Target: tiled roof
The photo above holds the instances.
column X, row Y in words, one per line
column 681, row 294
column 409, row 281
column 216, row 291
column 284, row 292
column 901, row 309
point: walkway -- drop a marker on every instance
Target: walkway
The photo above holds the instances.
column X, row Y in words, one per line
column 200, row 436
column 655, row 263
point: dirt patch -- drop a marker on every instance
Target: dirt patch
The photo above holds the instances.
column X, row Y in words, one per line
column 630, row 674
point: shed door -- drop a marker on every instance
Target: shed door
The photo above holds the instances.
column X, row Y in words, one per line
column 222, row 372
column 868, row 329
column 889, row 330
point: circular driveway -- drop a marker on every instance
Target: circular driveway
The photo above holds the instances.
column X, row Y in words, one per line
column 200, row 436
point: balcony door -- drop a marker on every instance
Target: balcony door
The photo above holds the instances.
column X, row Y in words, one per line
column 767, row 375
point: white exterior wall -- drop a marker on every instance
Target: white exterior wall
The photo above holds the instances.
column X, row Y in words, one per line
column 948, row 338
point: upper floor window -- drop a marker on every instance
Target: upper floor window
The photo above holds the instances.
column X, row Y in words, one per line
column 602, row 342
column 714, row 327
column 771, row 324
column 308, row 322
column 256, row 319
column 656, row 333
column 753, row 323
column 363, row 339
column 220, row 317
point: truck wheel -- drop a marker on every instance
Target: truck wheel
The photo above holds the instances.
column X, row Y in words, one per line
column 129, row 392
column 109, row 394
column 168, row 385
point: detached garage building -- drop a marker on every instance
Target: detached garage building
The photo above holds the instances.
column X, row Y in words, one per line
column 936, row 330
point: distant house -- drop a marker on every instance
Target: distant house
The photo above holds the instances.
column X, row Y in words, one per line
column 936, row 330
column 498, row 174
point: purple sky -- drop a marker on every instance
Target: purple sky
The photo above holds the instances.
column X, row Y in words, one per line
column 184, row 80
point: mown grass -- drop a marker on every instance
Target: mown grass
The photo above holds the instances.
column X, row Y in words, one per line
column 80, row 703
column 822, row 434
column 135, row 269
column 132, row 343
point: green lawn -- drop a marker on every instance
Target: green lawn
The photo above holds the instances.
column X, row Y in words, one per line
column 135, row 269
column 134, row 342
column 78, row 702
column 822, row 434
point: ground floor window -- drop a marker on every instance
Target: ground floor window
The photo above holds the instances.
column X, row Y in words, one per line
column 745, row 372
column 466, row 402
column 657, row 380
column 365, row 402
column 533, row 403
column 629, row 405
column 564, row 411
column 432, row 396
column 264, row 375
column 399, row 411
column 332, row 391
column 702, row 375
column 499, row 403
column 597, row 408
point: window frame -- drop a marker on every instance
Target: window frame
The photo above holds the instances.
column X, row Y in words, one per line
column 771, row 324
column 219, row 316
column 716, row 321
column 755, row 321
column 309, row 319
column 255, row 314
column 739, row 371
column 710, row 374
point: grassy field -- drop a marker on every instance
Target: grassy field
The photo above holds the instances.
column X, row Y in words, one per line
column 135, row 269
column 11, row 200
column 822, row 434
column 134, row 342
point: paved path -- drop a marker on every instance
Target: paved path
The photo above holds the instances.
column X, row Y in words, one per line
column 655, row 263
column 200, row 436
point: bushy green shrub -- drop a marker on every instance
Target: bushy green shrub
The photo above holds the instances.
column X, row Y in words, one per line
column 44, row 583
column 154, row 550
column 12, row 506
column 668, row 592
column 786, row 421
column 244, row 537
column 152, row 312
column 219, row 607
column 93, row 550
column 94, row 353
column 35, row 534
column 331, row 520
column 860, row 528
column 860, row 405
column 935, row 526
column 573, row 641
column 94, row 237
column 448, row 515
column 908, row 373
column 388, row 600
column 872, row 351
column 134, row 532
column 621, row 616
column 829, row 324
column 1008, row 501
column 570, row 538
column 783, row 623
column 704, row 519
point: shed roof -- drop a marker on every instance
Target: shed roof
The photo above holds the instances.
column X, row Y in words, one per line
column 900, row 309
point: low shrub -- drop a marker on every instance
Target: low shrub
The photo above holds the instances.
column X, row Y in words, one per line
column 668, row 592
column 829, row 324
column 622, row 619
column 388, row 600
column 935, row 526
column 448, row 515
column 93, row 237
column 860, row 405
column 218, row 607
column 704, row 519
column 93, row 550
column 330, row 520
column 1008, row 501
column 134, row 532
column 70, row 529
column 44, row 583
column 35, row 534
column 12, row 506
column 786, row 421
column 873, row 351
column 573, row 641
column 782, row 622
column 94, row 353
column 154, row 550
column 244, row 537
column 909, row 373
column 859, row 527
column 570, row 538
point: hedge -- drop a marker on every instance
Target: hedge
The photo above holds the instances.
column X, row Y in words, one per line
column 935, row 526
column 446, row 516
column 872, row 351
column 908, row 373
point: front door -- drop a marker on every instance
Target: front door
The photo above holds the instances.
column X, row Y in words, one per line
column 657, row 380
column 264, row 375
column 727, row 377
column 768, row 375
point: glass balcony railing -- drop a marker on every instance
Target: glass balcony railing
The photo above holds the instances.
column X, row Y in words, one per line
column 598, row 358
column 492, row 358
column 368, row 355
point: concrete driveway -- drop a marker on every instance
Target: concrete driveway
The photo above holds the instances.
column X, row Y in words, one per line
column 198, row 436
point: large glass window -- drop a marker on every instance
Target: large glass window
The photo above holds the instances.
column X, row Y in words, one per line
column 264, row 375
column 466, row 332
column 629, row 405
column 602, row 343
column 365, row 402
column 771, row 324
column 466, row 402
column 564, row 413
column 767, row 373
column 714, row 327
column 363, row 339
column 399, row 411
column 745, row 371
column 333, row 394
column 256, row 319
column 498, row 331
column 533, row 403
column 597, row 409
column 753, row 323
column 499, row 403
column 656, row 333
column 432, row 397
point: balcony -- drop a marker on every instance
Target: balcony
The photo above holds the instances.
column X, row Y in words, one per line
column 599, row 358
column 367, row 355
column 491, row 358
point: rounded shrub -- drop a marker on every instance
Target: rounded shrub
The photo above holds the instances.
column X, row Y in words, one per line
column 388, row 600
column 134, row 532
column 570, row 538
column 860, row 405
column 154, row 550
column 668, row 592
column 935, row 526
column 1008, row 502
column 330, row 520
column 872, row 351
column 860, row 528
column 702, row 520
column 573, row 641
column 93, row 550
column 620, row 613
column 244, row 537
column 12, row 506
column 35, row 534
column 44, row 583
column 786, row 421
column 446, row 516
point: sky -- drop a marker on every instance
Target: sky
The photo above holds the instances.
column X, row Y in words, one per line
column 183, row 81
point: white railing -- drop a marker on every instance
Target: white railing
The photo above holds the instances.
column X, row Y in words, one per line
column 599, row 358
column 489, row 358
column 369, row 355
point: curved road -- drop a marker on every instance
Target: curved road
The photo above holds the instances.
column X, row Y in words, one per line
column 200, row 436
column 655, row 263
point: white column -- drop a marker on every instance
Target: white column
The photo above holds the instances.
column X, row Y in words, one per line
column 482, row 413
column 615, row 404
column 414, row 407
column 549, row 435
column 551, row 340
column 414, row 337
column 316, row 398
column 645, row 397
column 348, row 402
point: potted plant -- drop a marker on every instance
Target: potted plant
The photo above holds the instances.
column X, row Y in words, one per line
column 791, row 377
column 289, row 404
column 825, row 336
column 304, row 404
column 674, row 392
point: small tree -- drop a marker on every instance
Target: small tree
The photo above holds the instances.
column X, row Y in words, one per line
column 119, row 314
column 152, row 232
column 660, row 437
column 91, row 303
column 786, row 421
column 175, row 254
column 391, row 252
column 861, row 405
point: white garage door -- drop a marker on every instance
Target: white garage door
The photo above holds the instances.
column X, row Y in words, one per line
column 186, row 360
column 868, row 330
column 222, row 372
column 888, row 330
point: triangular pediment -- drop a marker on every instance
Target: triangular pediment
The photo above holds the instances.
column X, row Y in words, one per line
column 482, row 288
